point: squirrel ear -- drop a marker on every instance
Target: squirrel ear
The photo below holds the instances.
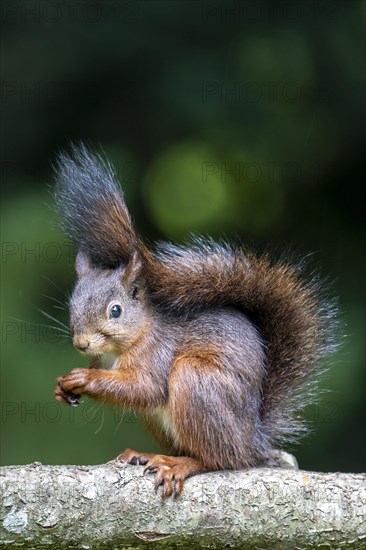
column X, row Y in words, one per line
column 132, row 270
column 82, row 263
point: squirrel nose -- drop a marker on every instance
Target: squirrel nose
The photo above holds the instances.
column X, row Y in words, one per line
column 81, row 344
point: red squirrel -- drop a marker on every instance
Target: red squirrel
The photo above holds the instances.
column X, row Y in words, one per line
column 216, row 348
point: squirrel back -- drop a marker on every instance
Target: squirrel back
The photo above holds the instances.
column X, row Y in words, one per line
column 295, row 322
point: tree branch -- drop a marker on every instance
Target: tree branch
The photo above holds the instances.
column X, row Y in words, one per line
column 115, row 505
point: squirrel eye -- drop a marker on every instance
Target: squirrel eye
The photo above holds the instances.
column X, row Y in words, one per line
column 115, row 311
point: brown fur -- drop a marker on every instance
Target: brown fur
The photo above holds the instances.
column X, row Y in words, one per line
column 216, row 347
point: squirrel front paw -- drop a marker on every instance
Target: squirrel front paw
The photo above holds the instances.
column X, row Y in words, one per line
column 68, row 398
column 70, row 387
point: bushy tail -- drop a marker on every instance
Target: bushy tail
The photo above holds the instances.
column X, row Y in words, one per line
column 93, row 210
column 296, row 323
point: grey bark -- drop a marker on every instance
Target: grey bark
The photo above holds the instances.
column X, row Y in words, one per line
column 115, row 506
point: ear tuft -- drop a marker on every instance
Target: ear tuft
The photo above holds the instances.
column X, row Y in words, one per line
column 82, row 264
column 132, row 271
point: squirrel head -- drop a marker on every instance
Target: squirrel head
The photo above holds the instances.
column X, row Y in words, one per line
column 108, row 307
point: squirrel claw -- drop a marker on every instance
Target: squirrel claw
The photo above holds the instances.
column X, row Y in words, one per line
column 171, row 472
column 131, row 456
column 67, row 398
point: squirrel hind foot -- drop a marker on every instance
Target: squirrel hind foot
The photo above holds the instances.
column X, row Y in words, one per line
column 136, row 458
column 171, row 471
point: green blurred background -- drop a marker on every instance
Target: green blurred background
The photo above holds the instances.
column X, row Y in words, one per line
column 237, row 119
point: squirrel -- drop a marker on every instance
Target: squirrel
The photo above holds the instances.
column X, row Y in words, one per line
column 217, row 348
